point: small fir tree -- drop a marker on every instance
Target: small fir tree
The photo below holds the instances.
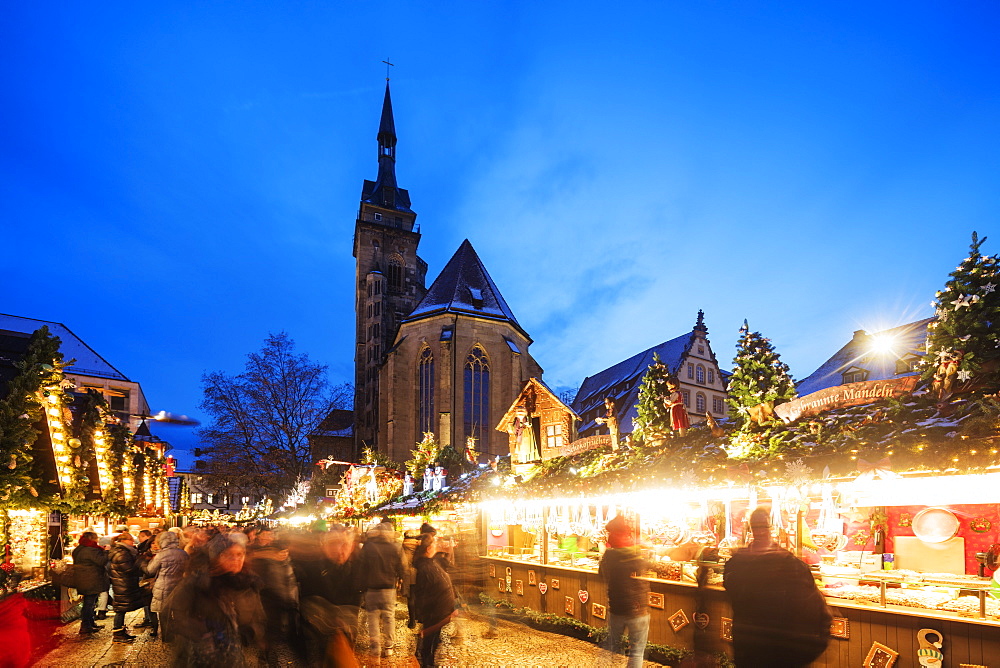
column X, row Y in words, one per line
column 963, row 345
column 653, row 420
column 759, row 375
column 423, row 455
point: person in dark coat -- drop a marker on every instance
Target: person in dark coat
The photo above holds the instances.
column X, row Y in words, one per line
column 214, row 617
column 628, row 597
column 433, row 598
column 780, row 618
column 167, row 567
column 381, row 566
column 125, row 574
column 89, row 564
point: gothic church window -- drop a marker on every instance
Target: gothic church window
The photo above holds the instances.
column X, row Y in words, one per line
column 425, row 383
column 477, row 398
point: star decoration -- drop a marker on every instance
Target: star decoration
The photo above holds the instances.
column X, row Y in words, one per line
column 988, row 288
column 942, row 355
column 963, row 300
column 964, row 375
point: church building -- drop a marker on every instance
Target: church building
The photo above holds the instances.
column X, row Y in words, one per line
column 448, row 360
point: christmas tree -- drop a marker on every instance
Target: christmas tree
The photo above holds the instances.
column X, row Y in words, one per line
column 759, row 375
column 653, row 421
column 963, row 345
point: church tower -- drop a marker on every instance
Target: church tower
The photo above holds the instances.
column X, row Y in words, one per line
column 389, row 276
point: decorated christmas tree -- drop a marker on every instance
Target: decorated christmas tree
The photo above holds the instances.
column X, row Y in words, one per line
column 759, row 375
column 653, row 421
column 963, row 345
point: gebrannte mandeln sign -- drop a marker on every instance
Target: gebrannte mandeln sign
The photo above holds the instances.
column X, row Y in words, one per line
column 841, row 396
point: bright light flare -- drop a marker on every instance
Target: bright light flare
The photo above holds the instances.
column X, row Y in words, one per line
column 884, row 344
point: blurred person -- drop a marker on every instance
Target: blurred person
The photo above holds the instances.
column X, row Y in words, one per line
column 410, row 542
column 381, row 568
column 145, row 541
column 780, row 618
column 263, row 538
column 167, row 567
column 214, row 615
column 331, row 612
column 434, row 598
column 90, row 561
column 628, row 596
column 125, row 574
column 103, row 599
column 279, row 590
column 195, row 539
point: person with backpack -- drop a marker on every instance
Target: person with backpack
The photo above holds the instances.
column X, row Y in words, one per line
column 780, row 618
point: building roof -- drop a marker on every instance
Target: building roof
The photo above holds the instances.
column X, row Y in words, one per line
column 464, row 286
column 621, row 382
column 907, row 340
column 538, row 385
column 87, row 361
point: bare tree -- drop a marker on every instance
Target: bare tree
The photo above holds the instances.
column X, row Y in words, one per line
column 262, row 418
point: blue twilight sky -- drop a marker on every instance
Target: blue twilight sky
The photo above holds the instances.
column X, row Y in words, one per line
column 178, row 180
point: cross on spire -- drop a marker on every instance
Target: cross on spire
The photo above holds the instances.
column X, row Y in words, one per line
column 387, row 66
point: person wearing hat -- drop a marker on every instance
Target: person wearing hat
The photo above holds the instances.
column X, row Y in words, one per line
column 90, row 561
column 214, row 615
column 628, row 597
column 780, row 619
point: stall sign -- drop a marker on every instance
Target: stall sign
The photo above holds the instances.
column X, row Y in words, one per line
column 842, row 396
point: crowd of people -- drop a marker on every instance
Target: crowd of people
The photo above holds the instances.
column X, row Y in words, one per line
column 240, row 596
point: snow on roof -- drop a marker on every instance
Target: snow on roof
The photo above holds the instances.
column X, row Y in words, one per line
column 87, row 361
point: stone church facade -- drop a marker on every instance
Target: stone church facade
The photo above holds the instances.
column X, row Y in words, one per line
column 449, row 359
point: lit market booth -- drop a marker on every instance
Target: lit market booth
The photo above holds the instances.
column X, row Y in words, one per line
column 895, row 552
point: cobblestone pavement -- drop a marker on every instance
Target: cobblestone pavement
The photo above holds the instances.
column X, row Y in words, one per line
column 517, row 646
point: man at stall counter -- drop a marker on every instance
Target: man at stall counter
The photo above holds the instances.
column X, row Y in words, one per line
column 780, row 618
column 628, row 597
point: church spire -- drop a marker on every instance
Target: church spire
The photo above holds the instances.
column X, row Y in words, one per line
column 386, row 130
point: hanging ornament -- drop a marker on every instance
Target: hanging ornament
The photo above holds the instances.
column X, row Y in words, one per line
column 12, row 464
column 33, row 491
column 76, row 461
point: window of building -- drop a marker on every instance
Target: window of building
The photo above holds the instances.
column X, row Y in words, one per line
column 395, row 274
column 553, row 436
column 425, row 383
column 245, row 500
column 211, row 498
column 701, row 350
column 118, row 400
column 718, row 405
column 477, row 398
column 711, row 375
column 699, row 374
column 699, row 403
column 378, row 216
column 687, row 398
column 197, row 497
column 907, row 363
column 690, row 370
column 854, row 375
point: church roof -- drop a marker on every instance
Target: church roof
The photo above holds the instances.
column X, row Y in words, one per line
column 464, row 286
column 88, row 362
column 908, row 340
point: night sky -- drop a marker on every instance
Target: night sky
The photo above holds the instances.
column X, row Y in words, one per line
column 178, row 181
